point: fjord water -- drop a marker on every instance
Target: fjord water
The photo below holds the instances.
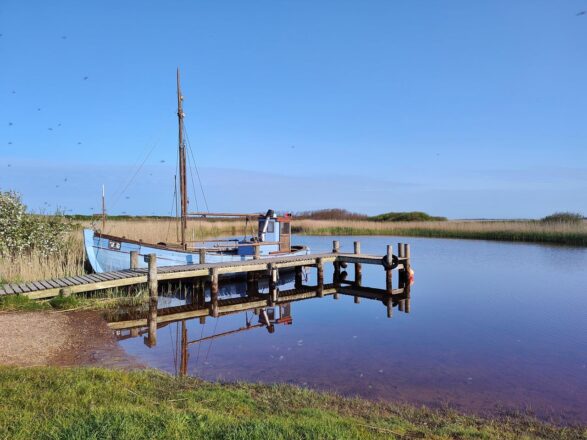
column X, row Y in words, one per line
column 492, row 327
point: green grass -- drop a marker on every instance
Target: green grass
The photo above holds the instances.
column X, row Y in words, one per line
column 106, row 299
column 51, row 403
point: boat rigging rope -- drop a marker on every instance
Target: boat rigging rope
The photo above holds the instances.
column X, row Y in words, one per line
column 193, row 158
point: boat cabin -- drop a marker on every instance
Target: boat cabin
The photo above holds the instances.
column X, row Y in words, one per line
column 274, row 235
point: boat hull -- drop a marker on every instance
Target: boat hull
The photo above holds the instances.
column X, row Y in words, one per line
column 106, row 254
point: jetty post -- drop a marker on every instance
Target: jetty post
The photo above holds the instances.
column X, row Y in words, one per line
column 358, row 270
column 214, row 292
column 320, row 276
column 273, row 274
column 202, row 256
column 153, row 299
column 388, row 270
column 134, row 259
column 299, row 276
column 336, row 274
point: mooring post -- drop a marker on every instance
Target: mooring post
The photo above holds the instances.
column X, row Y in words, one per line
column 299, row 277
column 153, row 299
column 134, row 259
column 214, row 291
column 389, row 304
column 401, row 272
column 257, row 251
column 273, row 275
column 388, row 271
column 320, row 276
column 358, row 267
column 202, row 256
column 407, row 264
column 336, row 264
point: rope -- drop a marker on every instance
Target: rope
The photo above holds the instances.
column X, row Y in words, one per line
column 196, row 167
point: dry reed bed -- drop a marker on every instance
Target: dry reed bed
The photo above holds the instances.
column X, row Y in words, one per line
column 526, row 231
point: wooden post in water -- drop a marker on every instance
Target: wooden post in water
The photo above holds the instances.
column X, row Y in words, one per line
column 214, row 291
column 336, row 273
column 389, row 304
column 358, row 267
column 272, row 284
column 202, row 256
column 407, row 264
column 153, row 299
column 257, row 251
column 183, row 369
column 400, row 255
column 388, row 271
column 299, row 277
column 134, row 259
column 320, row 277
column 357, row 299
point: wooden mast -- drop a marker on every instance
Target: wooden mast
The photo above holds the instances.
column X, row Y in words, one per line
column 182, row 166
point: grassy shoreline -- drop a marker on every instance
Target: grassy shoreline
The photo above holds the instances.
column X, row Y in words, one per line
column 511, row 231
column 99, row 403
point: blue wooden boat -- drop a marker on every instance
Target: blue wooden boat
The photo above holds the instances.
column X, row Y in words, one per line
column 109, row 253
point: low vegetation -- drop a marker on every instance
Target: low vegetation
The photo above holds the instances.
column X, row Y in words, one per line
column 517, row 231
column 572, row 218
column 414, row 216
column 105, row 404
column 330, row 214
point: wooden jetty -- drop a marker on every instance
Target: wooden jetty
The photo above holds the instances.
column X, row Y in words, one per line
column 210, row 273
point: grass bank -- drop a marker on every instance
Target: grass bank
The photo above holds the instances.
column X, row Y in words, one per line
column 105, row 404
column 517, row 231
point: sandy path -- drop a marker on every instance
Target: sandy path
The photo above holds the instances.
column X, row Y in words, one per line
column 59, row 338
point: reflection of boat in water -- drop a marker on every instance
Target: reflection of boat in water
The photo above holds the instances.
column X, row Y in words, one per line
column 110, row 253
column 245, row 298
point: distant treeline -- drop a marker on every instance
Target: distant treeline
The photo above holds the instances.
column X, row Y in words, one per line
column 343, row 214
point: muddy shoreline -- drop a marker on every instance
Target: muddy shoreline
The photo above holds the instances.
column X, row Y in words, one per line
column 52, row 338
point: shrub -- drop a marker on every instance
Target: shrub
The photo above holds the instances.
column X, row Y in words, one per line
column 563, row 217
column 414, row 216
column 22, row 232
column 330, row 214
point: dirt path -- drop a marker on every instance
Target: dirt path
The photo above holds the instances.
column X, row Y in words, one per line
column 59, row 338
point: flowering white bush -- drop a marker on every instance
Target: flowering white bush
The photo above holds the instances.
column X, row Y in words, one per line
column 22, row 232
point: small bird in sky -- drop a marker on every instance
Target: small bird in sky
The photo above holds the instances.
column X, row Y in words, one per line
column 64, row 37
column 10, row 123
column 79, row 143
column 59, row 125
column 39, row 109
column 14, row 92
column 65, row 180
column 127, row 197
column 162, row 161
column 9, row 142
column 9, row 165
column 581, row 13
column 85, row 78
column 50, row 129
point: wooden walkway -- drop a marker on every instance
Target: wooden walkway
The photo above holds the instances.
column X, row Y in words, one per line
column 107, row 280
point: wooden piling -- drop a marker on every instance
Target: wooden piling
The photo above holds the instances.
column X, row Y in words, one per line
column 257, row 252
column 214, row 292
column 134, row 259
column 320, row 276
column 388, row 271
column 273, row 274
column 357, row 299
column 389, row 304
column 153, row 300
column 358, row 266
column 202, row 256
column 401, row 272
column 335, row 246
column 299, row 277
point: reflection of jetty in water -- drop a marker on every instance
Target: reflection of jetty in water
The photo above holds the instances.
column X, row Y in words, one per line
column 270, row 307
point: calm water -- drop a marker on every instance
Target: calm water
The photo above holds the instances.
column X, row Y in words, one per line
column 492, row 327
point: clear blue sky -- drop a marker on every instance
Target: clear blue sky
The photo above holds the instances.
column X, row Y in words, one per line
column 459, row 108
